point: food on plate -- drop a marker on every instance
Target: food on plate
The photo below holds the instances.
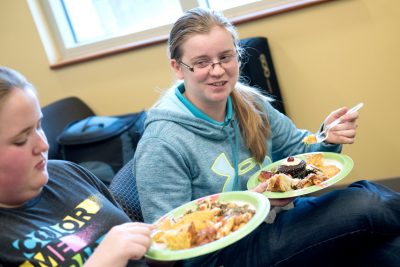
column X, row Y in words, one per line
column 209, row 221
column 312, row 172
column 316, row 159
column 294, row 167
column 310, row 139
column 281, row 182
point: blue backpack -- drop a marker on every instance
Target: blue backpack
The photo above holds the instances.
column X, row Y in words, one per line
column 102, row 144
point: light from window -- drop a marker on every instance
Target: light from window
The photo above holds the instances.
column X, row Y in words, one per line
column 77, row 30
column 93, row 20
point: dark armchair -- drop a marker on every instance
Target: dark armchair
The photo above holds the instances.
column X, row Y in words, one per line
column 59, row 114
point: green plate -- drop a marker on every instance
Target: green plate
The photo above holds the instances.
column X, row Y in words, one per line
column 258, row 201
column 344, row 162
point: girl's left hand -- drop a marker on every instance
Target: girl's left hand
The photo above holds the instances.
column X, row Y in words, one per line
column 260, row 188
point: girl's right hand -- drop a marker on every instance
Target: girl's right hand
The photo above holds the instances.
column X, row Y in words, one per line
column 128, row 241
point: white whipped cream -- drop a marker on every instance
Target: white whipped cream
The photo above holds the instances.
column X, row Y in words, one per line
column 295, row 161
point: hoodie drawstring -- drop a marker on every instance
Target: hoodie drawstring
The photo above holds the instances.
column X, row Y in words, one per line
column 235, row 152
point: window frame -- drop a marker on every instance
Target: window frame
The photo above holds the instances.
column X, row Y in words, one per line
column 59, row 55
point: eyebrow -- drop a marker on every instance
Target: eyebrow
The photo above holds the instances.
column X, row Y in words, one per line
column 27, row 129
column 21, row 133
column 229, row 51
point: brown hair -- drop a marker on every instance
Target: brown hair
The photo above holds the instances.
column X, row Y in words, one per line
column 253, row 121
column 11, row 79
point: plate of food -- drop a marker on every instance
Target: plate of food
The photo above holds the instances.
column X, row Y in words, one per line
column 207, row 224
column 302, row 174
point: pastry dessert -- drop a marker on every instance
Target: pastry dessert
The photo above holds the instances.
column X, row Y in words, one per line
column 281, row 183
column 294, row 167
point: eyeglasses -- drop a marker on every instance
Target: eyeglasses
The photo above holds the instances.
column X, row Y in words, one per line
column 225, row 61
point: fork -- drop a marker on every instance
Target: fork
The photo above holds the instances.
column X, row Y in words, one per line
column 322, row 135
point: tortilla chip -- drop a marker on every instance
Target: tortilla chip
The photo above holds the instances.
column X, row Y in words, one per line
column 178, row 238
column 198, row 218
column 179, row 235
column 165, row 224
column 330, row 170
column 315, row 159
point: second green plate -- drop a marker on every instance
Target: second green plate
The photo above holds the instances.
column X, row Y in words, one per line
column 344, row 162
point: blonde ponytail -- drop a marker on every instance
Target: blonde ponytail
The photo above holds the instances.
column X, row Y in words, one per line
column 253, row 121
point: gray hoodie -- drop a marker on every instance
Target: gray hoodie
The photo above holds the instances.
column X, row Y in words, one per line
column 184, row 154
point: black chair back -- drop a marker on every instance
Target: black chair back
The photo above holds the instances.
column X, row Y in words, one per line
column 123, row 187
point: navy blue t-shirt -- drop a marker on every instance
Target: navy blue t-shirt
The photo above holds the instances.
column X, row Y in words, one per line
column 63, row 225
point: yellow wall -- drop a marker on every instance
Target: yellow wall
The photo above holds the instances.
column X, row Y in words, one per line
column 326, row 56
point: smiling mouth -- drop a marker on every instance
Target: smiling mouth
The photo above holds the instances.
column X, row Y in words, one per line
column 218, row 83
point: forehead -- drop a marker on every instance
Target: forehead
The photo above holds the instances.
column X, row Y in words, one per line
column 211, row 44
column 18, row 110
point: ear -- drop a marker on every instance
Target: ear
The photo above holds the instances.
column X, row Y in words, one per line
column 177, row 68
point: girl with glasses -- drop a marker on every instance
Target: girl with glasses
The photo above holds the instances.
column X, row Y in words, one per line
column 209, row 133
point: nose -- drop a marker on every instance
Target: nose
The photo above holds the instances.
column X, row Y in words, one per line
column 216, row 70
column 41, row 144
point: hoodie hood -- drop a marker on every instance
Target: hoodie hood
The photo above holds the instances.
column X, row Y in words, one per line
column 177, row 109
column 187, row 121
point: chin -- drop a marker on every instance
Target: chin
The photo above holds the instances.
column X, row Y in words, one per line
column 220, row 96
column 42, row 178
column 45, row 177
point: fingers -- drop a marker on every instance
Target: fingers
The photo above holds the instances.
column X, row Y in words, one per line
column 345, row 126
column 336, row 114
column 132, row 233
column 138, row 239
column 351, row 117
column 280, row 202
column 140, row 225
column 343, row 134
column 341, row 114
column 121, row 243
column 139, row 245
column 139, row 233
column 136, row 226
column 345, row 131
column 343, row 137
column 260, row 188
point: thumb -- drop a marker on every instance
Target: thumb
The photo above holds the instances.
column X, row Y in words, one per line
column 260, row 188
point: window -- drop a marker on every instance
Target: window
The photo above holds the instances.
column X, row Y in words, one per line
column 90, row 21
column 77, row 30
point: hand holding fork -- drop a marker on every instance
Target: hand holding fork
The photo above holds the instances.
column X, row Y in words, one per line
column 323, row 135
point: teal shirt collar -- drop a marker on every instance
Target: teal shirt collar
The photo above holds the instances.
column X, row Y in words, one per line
column 180, row 89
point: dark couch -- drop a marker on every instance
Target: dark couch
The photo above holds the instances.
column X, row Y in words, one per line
column 57, row 115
